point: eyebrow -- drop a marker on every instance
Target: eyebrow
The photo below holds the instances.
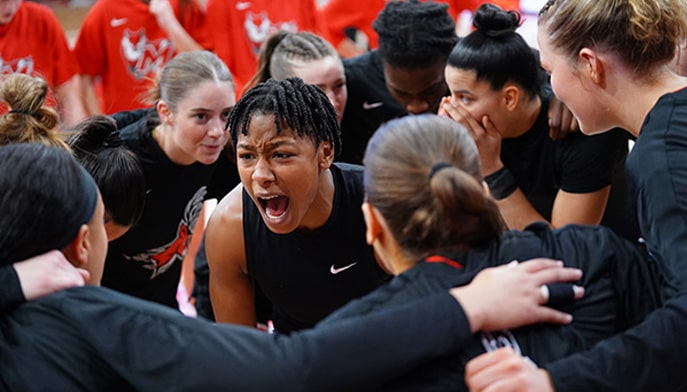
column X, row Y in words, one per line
column 462, row 91
column 270, row 146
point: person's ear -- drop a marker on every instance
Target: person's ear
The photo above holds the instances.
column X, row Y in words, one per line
column 511, row 97
column 77, row 250
column 374, row 227
column 325, row 155
column 592, row 65
column 164, row 112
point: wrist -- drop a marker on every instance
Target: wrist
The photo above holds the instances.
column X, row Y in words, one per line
column 472, row 312
column 501, row 183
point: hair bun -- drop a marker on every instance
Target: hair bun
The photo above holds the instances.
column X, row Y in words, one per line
column 494, row 22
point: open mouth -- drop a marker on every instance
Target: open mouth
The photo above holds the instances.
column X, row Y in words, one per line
column 275, row 206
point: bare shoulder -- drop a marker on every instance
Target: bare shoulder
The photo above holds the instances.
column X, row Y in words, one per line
column 224, row 233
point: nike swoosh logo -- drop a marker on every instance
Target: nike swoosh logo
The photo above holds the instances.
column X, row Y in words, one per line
column 116, row 22
column 242, row 5
column 335, row 270
column 373, row 105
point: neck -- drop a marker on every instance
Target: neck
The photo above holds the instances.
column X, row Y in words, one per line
column 644, row 95
column 523, row 118
column 323, row 204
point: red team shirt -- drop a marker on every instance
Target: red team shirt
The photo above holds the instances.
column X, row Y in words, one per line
column 121, row 41
column 240, row 27
column 34, row 43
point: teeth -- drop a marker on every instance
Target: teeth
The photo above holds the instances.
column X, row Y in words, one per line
column 274, row 216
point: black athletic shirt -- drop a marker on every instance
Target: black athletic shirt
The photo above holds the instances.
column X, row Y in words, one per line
column 146, row 261
column 95, row 339
column 651, row 356
column 575, row 164
column 307, row 275
column 621, row 288
column 368, row 106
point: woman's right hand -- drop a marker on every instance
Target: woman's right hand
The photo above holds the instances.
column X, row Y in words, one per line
column 510, row 296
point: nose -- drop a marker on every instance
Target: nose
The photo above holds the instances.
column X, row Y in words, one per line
column 417, row 105
column 262, row 172
column 216, row 127
column 334, row 100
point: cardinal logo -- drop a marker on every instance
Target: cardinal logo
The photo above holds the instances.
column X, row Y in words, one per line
column 142, row 57
column 162, row 258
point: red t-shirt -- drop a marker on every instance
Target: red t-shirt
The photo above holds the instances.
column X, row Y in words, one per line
column 240, row 27
column 34, row 43
column 338, row 15
column 121, row 42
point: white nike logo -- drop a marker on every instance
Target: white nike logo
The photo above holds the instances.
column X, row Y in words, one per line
column 116, row 22
column 373, row 105
column 242, row 5
column 335, row 270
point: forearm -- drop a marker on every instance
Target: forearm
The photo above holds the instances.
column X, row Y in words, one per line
column 71, row 101
column 183, row 42
column 90, row 99
column 518, row 212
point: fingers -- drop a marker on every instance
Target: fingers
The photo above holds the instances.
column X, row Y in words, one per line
column 445, row 102
column 490, row 127
column 505, row 370
column 486, row 371
column 85, row 275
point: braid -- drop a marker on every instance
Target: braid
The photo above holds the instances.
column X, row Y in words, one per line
column 414, row 34
column 302, row 107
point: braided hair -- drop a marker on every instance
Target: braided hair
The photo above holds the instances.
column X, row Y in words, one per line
column 414, row 34
column 282, row 49
column 302, row 107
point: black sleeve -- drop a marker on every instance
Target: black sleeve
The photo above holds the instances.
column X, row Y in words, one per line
column 155, row 348
column 587, row 162
column 10, row 289
column 648, row 357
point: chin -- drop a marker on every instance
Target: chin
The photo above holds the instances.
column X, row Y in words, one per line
column 590, row 131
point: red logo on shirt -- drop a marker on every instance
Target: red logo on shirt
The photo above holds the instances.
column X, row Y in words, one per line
column 162, row 258
column 24, row 66
column 144, row 58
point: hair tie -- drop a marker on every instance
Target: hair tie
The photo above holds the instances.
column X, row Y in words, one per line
column 21, row 111
column 113, row 140
column 437, row 167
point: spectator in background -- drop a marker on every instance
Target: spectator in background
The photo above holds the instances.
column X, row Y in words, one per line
column 123, row 44
column 32, row 42
column 341, row 21
column 239, row 28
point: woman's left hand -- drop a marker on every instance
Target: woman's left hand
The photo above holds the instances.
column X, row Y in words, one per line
column 485, row 135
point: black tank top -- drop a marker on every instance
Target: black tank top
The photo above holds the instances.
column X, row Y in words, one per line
column 307, row 275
